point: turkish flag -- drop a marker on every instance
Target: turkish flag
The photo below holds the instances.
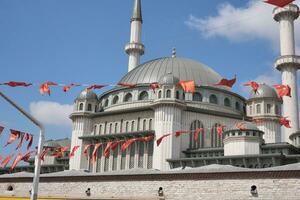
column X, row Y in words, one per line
column 154, row 86
column 147, row 138
column 6, row 160
column 279, row 3
column 188, row 85
column 254, row 85
column 283, row 90
column 99, row 86
column 159, row 140
column 16, row 161
column 106, row 151
column 179, row 133
column 44, row 87
column 85, row 150
column 197, row 132
column 29, row 137
column 17, row 84
column 21, row 141
column 72, row 154
column 94, row 155
column 226, row 82
column 115, row 145
column 283, row 121
column 27, row 156
column 241, row 126
column 127, row 144
column 66, row 88
column 127, row 85
column 1, row 129
column 43, row 154
column 13, row 136
column 220, row 129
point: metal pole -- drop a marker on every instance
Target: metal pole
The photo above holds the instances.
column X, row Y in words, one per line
column 36, row 178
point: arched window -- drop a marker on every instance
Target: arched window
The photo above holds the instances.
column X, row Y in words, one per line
column 177, row 95
column 168, row 95
column 127, row 127
column 121, row 126
column 250, row 108
column 213, row 99
column 200, row 141
column 276, row 110
column 95, row 129
column 128, row 97
column 144, row 96
column 144, row 125
column 116, row 127
column 100, row 129
column 238, row 106
column 132, row 126
column 89, row 107
column 216, row 139
column 81, row 106
column 268, row 108
column 197, row 97
column 106, row 103
column 227, row 102
column 183, row 96
column 150, row 124
column 258, row 109
column 115, row 99
column 159, row 94
column 110, row 128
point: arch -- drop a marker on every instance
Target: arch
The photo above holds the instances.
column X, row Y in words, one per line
column 115, row 99
column 81, row 106
column 200, row 142
column 132, row 126
column 95, row 129
column 144, row 124
column 110, row 128
column 227, row 102
column 168, row 94
column 213, row 99
column 159, row 94
column 127, row 127
column 116, row 128
column 197, row 97
column 106, row 103
column 89, row 108
column 143, row 96
column 177, row 95
column 238, row 106
column 150, row 124
column 128, row 97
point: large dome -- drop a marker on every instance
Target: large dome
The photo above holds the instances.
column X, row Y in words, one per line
column 182, row 68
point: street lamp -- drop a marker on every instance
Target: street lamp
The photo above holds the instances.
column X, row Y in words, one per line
column 35, row 184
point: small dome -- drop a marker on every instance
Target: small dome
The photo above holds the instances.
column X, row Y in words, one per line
column 264, row 91
column 87, row 95
column 51, row 143
column 247, row 125
column 168, row 79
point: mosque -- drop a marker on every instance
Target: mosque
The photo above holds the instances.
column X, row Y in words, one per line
column 124, row 113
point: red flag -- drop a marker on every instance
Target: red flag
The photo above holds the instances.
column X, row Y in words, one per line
column 254, row 85
column 96, row 87
column 1, row 129
column 283, row 121
column 106, row 151
column 159, row 140
column 66, row 88
column 16, row 161
column 29, row 137
column 241, row 126
column 283, row 90
column 127, row 85
column 17, row 84
column 44, row 87
column 188, row 86
column 147, row 138
column 279, row 3
column 220, row 129
column 43, row 154
column 21, row 141
column 94, row 155
column 179, row 133
column 60, row 151
column 115, row 145
column 12, row 136
column 85, row 151
column 72, row 154
column 6, row 160
column 27, row 156
column 197, row 132
column 154, row 86
column 127, row 144
column 226, row 82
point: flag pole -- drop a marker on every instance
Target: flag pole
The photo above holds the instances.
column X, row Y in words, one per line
column 35, row 184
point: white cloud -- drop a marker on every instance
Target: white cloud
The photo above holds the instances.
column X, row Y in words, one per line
column 51, row 113
column 254, row 21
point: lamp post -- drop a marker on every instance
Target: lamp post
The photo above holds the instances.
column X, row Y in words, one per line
column 35, row 184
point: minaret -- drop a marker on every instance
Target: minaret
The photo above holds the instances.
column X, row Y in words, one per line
column 135, row 48
column 288, row 63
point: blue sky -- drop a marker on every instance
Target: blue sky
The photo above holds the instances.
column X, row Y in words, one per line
column 83, row 41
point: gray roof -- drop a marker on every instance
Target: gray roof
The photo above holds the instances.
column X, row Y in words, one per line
column 87, row 95
column 264, row 91
column 51, row 143
column 247, row 125
column 182, row 68
column 58, row 143
column 168, row 79
column 137, row 11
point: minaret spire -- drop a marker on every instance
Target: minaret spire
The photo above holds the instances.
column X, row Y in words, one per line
column 135, row 48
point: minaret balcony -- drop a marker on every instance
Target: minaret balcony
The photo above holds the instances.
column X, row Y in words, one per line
column 289, row 60
column 290, row 10
column 135, row 47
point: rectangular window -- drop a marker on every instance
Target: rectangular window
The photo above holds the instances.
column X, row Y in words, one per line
column 268, row 108
column 258, row 109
